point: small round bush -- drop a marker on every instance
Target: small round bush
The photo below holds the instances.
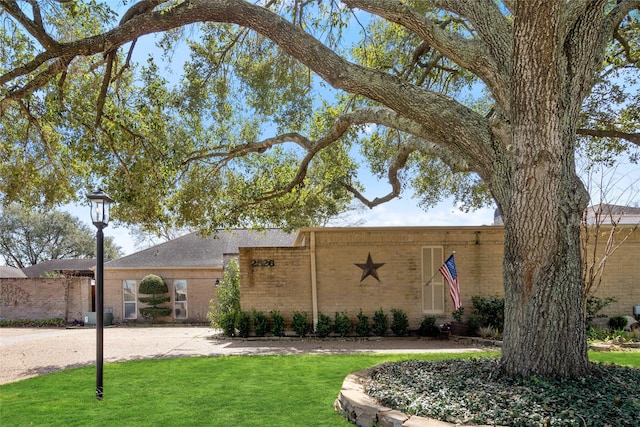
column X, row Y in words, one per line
column 277, row 323
column 342, row 324
column 363, row 327
column 428, row 327
column 244, row 320
column 152, row 285
column 399, row 323
column 154, row 313
column 380, row 323
column 617, row 323
column 299, row 323
column 260, row 323
column 228, row 324
column 323, row 328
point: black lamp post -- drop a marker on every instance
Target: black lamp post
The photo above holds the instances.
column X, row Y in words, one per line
column 100, row 204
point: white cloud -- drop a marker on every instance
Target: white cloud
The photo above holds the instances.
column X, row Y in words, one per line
column 401, row 212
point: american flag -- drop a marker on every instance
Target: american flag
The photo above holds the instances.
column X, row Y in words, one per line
column 448, row 271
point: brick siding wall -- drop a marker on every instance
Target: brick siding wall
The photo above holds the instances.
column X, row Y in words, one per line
column 41, row 299
column 286, row 286
column 621, row 278
column 279, row 279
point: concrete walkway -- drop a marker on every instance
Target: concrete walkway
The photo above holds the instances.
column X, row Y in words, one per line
column 28, row 352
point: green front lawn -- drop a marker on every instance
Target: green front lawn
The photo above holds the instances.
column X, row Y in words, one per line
column 218, row 391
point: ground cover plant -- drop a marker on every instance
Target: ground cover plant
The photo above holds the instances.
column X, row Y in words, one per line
column 237, row 390
column 475, row 391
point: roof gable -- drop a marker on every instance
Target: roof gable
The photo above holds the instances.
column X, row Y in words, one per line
column 195, row 251
column 74, row 266
column 7, row 272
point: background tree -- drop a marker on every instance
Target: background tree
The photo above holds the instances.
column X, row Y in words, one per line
column 28, row 237
column 402, row 90
column 604, row 226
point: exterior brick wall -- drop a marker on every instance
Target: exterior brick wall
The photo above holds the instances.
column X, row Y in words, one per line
column 287, row 285
column 621, row 278
column 279, row 279
column 42, row 299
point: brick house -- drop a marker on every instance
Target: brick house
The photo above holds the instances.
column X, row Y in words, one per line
column 331, row 270
column 319, row 270
column 191, row 266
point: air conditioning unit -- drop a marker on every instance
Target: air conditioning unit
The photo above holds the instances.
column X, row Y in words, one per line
column 636, row 310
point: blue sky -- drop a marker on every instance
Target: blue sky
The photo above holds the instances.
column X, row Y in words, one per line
column 398, row 212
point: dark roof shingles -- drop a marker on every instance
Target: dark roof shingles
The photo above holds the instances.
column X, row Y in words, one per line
column 54, row 265
column 193, row 250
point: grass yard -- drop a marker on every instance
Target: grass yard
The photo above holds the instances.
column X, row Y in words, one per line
column 236, row 390
column 218, row 391
column 624, row 358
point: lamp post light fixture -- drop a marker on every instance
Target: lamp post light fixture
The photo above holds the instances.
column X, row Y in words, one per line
column 100, row 205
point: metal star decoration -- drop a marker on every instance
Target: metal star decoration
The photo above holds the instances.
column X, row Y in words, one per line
column 370, row 268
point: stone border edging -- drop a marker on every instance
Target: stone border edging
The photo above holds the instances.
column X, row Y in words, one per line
column 362, row 410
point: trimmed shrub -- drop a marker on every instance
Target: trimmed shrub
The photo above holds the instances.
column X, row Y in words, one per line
column 342, row 324
column 323, row 328
column 155, row 286
column 617, row 323
column 227, row 322
column 489, row 311
column 299, row 323
column 277, row 323
column 363, row 327
column 244, row 321
column 399, row 323
column 260, row 323
column 428, row 327
column 380, row 323
column 28, row 323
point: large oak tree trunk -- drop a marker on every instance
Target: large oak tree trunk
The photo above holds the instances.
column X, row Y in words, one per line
column 544, row 307
column 545, row 330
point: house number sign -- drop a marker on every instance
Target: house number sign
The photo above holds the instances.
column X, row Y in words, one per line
column 263, row 263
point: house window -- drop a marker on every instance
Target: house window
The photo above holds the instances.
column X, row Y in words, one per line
column 130, row 300
column 432, row 280
column 180, row 298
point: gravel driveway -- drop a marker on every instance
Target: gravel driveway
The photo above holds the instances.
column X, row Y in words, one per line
column 28, row 352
